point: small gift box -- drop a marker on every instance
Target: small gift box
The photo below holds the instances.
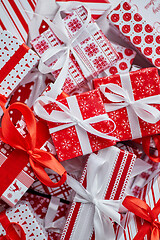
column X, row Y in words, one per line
column 16, row 61
column 137, row 29
column 97, row 8
column 78, row 124
column 21, row 222
column 98, row 194
column 145, row 219
column 123, row 65
column 16, row 16
column 132, row 102
column 89, row 54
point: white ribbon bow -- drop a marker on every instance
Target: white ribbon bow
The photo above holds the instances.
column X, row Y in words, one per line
column 141, row 107
column 69, row 117
column 105, row 211
column 59, row 29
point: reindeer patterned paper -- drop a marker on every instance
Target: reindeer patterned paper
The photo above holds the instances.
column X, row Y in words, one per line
column 24, row 215
column 17, row 60
column 123, row 65
column 68, row 143
column 143, row 83
column 137, row 29
column 94, row 50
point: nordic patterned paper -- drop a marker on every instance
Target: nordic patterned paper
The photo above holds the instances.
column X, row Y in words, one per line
column 137, row 29
column 16, row 61
column 14, row 17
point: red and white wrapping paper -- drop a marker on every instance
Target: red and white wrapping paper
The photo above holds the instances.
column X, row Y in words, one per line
column 138, row 85
column 123, row 65
column 97, row 7
column 24, row 215
column 73, row 141
column 150, row 194
column 15, row 18
column 94, row 53
column 17, row 60
column 111, row 168
column 137, row 29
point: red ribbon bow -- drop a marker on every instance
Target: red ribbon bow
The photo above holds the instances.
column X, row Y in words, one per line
column 141, row 209
column 25, row 147
column 10, row 228
column 146, row 147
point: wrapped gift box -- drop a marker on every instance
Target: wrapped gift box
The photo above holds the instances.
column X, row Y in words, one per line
column 150, row 194
column 138, row 85
column 111, row 168
column 23, row 215
column 93, row 48
column 16, row 61
column 137, row 29
column 97, row 8
column 72, row 141
column 15, row 18
column 123, row 65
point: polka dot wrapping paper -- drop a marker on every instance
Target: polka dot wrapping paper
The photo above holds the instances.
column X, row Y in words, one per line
column 138, row 84
column 94, row 50
column 24, row 215
column 17, row 60
column 137, row 30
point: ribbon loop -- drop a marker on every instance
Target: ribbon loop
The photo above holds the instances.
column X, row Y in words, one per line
column 120, row 98
column 39, row 159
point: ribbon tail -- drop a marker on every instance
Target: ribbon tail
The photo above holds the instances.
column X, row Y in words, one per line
column 155, row 234
column 142, row 232
column 103, row 227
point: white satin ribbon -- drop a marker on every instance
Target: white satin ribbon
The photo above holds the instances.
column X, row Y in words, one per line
column 71, row 117
column 123, row 97
column 105, row 212
column 64, row 50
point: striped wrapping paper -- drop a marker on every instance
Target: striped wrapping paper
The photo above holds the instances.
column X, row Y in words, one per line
column 14, row 18
column 97, row 7
column 150, row 194
column 115, row 177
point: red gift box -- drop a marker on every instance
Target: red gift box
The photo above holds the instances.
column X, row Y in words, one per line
column 111, row 168
column 137, row 85
column 72, row 141
column 15, row 18
column 137, row 30
column 91, row 53
column 132, row 223
column 17, row 60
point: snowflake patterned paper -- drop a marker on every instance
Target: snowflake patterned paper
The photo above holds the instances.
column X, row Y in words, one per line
column 24, row 215
column 141, row 84
column 93, row 48
column 135, row 28
column 69, row 142
column 113, row 178
column 17, row 60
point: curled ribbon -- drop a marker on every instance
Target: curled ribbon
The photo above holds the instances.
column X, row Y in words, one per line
column 64, row 50
column 151, row 225
column 69, row 117
column 121, row 99
column 11, row 233
column 26, row 146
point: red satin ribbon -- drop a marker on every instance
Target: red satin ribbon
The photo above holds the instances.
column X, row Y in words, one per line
column 146, row 147
column 26, row 146
column 151, row 226
column 10, row 228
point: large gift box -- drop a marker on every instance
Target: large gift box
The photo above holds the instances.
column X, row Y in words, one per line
column 16, row 16
column 104, row 181
column 21, row 222
column 136, row 28
column 91, row 51
column 78, row 124
column 133, row 224
column 17, row 60
column 131, row 101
